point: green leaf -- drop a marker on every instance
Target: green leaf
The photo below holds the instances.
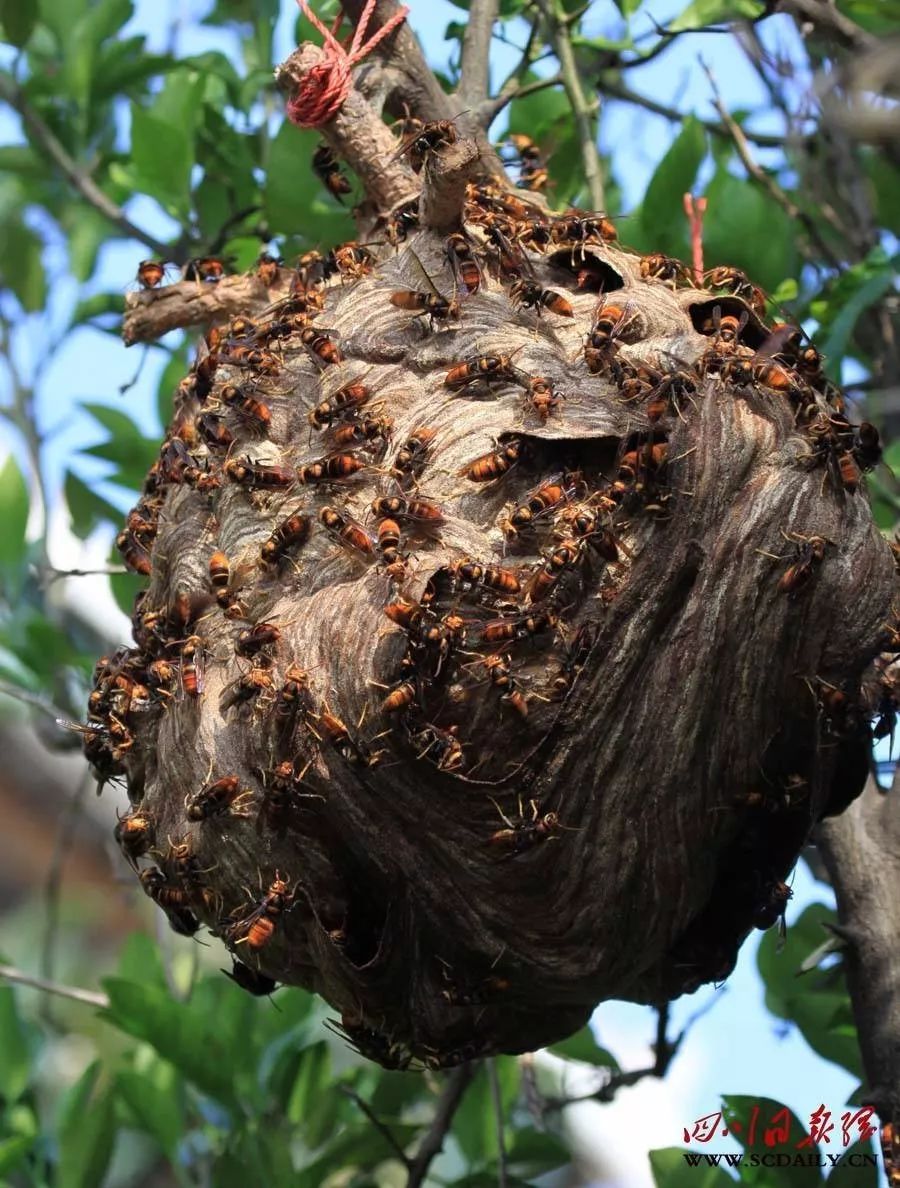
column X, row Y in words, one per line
column 87, row 509
column 292, row 199
column 582, row 1046
column 475, row 1124
column 190, row 1039
column 701, row 13
column 13, row 1152
column 97, row 306
column 88, row 232
column 87, row 1131
column 879, row 17
column 140, row 961
column 737, row 1111
column 531, row 1152
column 662, row 211
column 628, row 7
column 311, row 1105
column 744, row 228
column 21, row 264
column 155, row 1098
column 14, row 511
column 15, row 1058
column 670, row 1170
column 836, row 344
column 174, row 370
column 852, row 1171
column 162, row 141
column 132, row 453
column 18, row 18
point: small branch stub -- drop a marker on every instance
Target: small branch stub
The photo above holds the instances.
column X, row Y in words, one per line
column 446, row 176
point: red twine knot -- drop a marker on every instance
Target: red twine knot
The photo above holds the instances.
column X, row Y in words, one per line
column 322, row 91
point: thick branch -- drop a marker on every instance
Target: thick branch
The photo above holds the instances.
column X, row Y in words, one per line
column 151, row 313
column 433, row 1143
column 861, row 849
column 77, row 178
column 446, row 176
column 474, row 79
column 583, row 109
column 358, row 135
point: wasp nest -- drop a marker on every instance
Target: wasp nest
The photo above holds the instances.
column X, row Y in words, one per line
column 509, row 596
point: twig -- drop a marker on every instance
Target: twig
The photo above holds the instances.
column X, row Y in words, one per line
column 498, row 1118
column 612, row 88
column 448, row 1103
column 36, row 700
column 88, row 997
column 491, row 108
column 827, row 15
column 474, row 77
column 47, row 575
column 77, row 178
column 584, row 112
column 768, row 183
column 383, row 1130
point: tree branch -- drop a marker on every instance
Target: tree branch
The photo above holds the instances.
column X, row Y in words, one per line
column 151, row 313
column 583, row 110
column 433, row 1143
column 474, row 78
column 613, row 88
column 77, row 178
column 510, row 91
column 35, row 700
column 829, row 18
column 768, row 183
column 497, row 1102
column 75, row 993
column 446, row 176
column 861, row 850
column 383, row 1130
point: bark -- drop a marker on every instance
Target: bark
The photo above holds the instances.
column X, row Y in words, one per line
column 428, row 892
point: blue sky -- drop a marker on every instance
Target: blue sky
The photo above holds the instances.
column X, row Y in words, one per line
column 737, row 1047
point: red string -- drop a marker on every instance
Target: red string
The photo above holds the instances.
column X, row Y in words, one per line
column 323, row 89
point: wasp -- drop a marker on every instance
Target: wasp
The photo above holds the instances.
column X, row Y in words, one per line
column 268, row 268
column 222, row 796
column 151, row 273
column 290, row 533
column 442, row 747
column 518, row 837
column 810, row 554
column 345, row 400
column 494, row 465
column 407, row 615
column 500, row 675
column 351, row 260
column 566, row 555
column 134, row 834
column 252, row 640
column 487, row 368
column 337, row 735
column 191, row 666
column 134, row 554
column 611, row 324
column 419, row 510
column 506, row 630
column 336, row 466
column 541, row 398
column 326, row 168
column 584, row 228
column 462, row 261
column 321, row 346
column 219, row 571
column 389, row 540
column 258, row 984
column 400, row 698
column 401, row 220
column 252, row 412
column 359, row 432
column 470, row 574
column 247, row 687
column 736, row 282
column 256, row 930
column 430, row 138
column 256, row 475
column 542, row 500
column 772, row 905
column 531, row 295
column 666, row 269
column 204, row 268
column 867, row 450
column 214, row 432
column 347, row 531
column 410, row 458
column 432, row 303
column 294, row 694
column 174, row 901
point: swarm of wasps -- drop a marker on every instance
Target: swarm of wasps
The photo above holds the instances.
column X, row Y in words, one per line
column 494, row 630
